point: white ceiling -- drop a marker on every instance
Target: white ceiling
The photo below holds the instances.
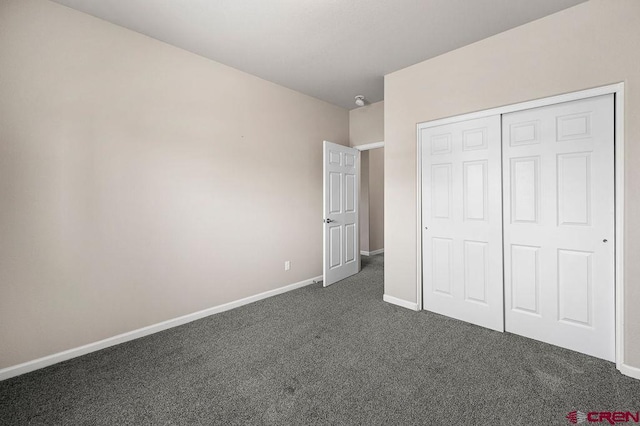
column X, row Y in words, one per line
column 329, row 49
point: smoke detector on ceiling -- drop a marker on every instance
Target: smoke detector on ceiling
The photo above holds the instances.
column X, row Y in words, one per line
column 360, row 100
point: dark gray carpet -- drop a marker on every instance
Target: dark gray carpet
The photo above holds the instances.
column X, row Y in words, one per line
column 338, row 355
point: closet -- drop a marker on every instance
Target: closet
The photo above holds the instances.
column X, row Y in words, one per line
column 518, row 223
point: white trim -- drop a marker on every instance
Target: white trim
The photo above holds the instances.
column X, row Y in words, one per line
column 616, row 89
column 630, row 371
column 400, row 302
column 619, row 221
column 371, row 253
column 358, row 185
column 419, row 299
column 368, row 146
column 324, row 209
column 566, row 97
column 16, row 370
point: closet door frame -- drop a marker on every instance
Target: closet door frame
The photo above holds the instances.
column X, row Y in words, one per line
column 618, row 91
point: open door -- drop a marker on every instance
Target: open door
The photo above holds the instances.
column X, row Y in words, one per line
column 341, row 241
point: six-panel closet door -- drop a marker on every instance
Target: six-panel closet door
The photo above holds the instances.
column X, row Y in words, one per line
column 558, row 188
column 518, row 223
column 462, row 221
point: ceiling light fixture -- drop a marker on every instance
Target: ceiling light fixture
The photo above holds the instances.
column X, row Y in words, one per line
column 360, row 100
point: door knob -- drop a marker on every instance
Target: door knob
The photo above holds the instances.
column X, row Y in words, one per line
column 604, row 241
column 328, row 220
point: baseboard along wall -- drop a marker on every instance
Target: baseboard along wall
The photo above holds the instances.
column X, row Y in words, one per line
column 630, row 371
column 16, row 370
column 400, row 302
column 371, row 253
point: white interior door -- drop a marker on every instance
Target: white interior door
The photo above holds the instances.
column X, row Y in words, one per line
column 559, row 225
column 462, row 221
column 341, row 196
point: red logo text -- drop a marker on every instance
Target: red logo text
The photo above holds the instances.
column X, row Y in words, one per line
column 611, row 417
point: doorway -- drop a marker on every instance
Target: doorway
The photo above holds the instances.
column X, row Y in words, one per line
column 343, row 203
column 372, row 201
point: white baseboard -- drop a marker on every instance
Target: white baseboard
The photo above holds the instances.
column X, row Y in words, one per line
column 627, row 370
column 16, row 370
column 400, row 302
column 371, row 253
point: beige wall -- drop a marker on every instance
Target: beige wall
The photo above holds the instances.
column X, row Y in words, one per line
column 140, row 182
column 593, row 44
column 376, row 199
column 366, row 125
column 364, row 201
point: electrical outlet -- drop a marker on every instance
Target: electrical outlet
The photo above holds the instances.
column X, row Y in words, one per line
column 287, row 265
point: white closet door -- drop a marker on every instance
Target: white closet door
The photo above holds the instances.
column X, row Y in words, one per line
column 462, row 221
column 559, row 225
